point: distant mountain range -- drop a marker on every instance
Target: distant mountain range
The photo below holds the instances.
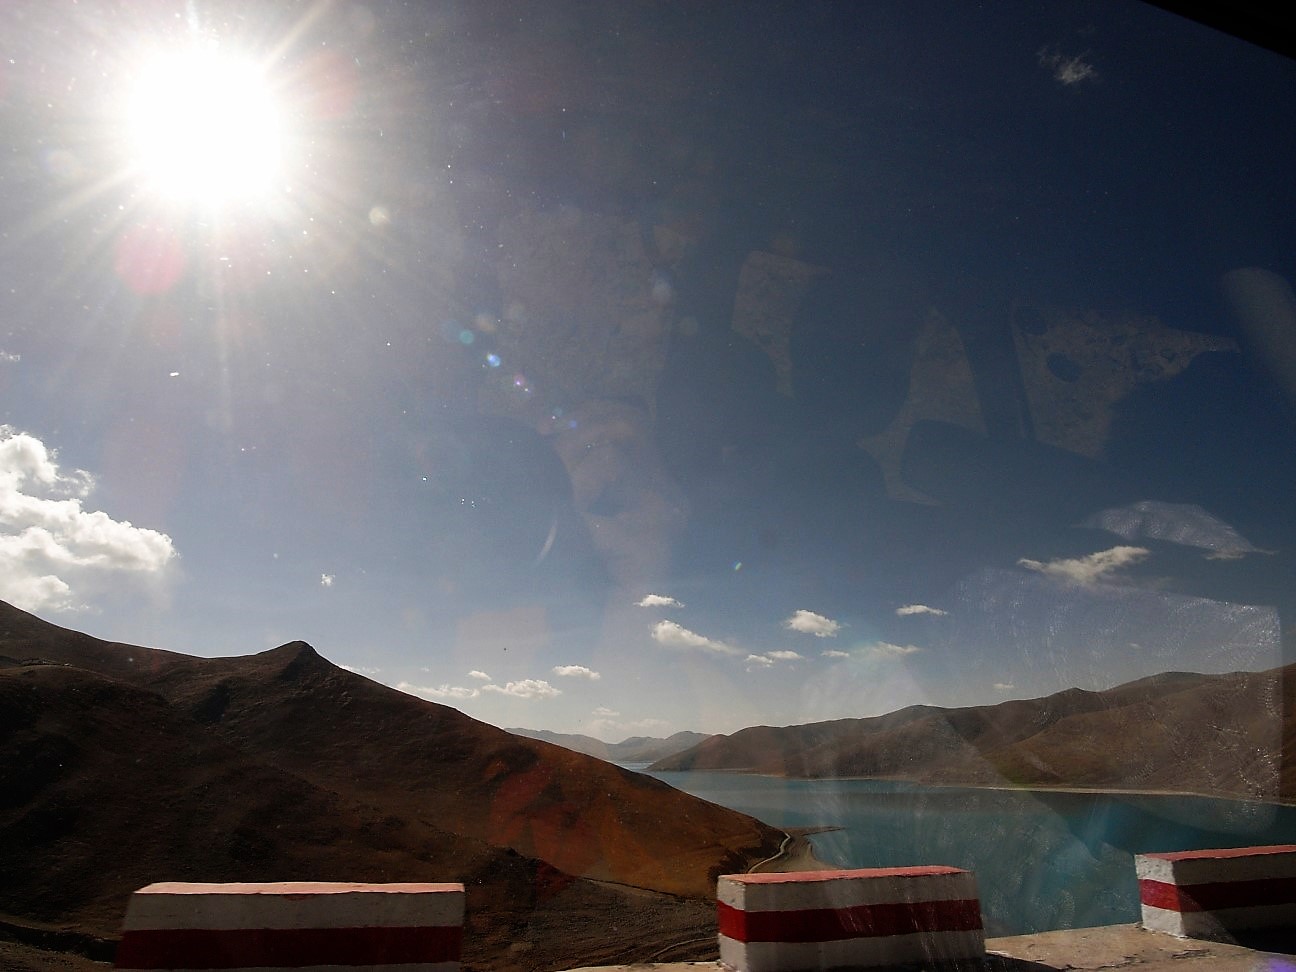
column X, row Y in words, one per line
column 124, row 765
column 636, row 749
column 1229, row 735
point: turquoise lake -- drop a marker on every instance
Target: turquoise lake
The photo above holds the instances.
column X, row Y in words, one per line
column 1043, row 860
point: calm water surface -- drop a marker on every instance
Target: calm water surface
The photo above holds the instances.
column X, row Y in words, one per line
column 1043, row 860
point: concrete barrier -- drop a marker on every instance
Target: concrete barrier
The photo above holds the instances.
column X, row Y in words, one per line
column 303, row 926
column 834, row 919
column 1212, row 893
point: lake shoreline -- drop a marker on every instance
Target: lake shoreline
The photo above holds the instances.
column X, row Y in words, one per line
column 1006, row 787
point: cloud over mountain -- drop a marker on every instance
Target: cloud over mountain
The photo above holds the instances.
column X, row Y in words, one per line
column 438, row 691
column 527, row 688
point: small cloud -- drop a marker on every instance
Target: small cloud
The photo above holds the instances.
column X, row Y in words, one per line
column 911, row 609
column 658, row 600
column 1086, row 571
column 1004, row 686
column 771, row 657
column 479, row 674
column 527, row 688
column 835, row 653
column 673, row 635
column 884, row 649
column 326, row 580
column 361, row 670
column 603, row 712
column 438, row 691
column 807, row 622
column 8, row 357
column 1068, row 70
column 576, row 671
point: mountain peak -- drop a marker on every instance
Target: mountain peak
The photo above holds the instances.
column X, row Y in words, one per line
column 293, row 660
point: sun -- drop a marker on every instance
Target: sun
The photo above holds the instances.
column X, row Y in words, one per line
column 204, row 128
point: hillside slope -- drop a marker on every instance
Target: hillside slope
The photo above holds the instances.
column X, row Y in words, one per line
column 1218, row 734
column 125, row 765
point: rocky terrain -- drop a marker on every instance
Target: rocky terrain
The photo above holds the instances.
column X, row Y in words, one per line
column 1226, row 735
column 126, row 765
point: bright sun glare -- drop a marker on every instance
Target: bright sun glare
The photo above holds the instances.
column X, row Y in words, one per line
column 204, row 128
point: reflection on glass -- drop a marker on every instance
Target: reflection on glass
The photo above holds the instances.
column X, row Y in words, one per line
column 903, row 391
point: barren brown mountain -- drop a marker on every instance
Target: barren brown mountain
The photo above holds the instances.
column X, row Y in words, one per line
column 125, row 765
column 1217, row 734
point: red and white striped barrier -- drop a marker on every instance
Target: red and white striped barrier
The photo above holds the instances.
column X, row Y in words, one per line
column 1210, row 893
column 309, row 927
column 831, row 919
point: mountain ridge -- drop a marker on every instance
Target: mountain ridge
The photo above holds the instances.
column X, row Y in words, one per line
column 634, row 749
column 1229, row 735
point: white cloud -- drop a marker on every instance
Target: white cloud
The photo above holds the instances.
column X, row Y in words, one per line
column 911, row 609
column 770, row 657
column 1068, row 70
column 326, row 580
column 527, row 688
column 672, row 635
column 807, row 622
column 49, row 542
column 8, row 357
column 361, row 670
column 603, row 712
column 576, row 671
column 438, row 691
column 1093, row 569
column 658, row 600
column 1004, row 686
column 479, row 674
column 835, row 653
column 885, row 649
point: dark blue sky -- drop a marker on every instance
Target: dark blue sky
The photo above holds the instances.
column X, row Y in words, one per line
column 904, row 352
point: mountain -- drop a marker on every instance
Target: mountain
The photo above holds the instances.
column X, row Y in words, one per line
column 125, row 765
column 1216, row 734
column 636, row 749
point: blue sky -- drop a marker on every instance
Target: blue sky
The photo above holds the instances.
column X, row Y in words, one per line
column 632, row 370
